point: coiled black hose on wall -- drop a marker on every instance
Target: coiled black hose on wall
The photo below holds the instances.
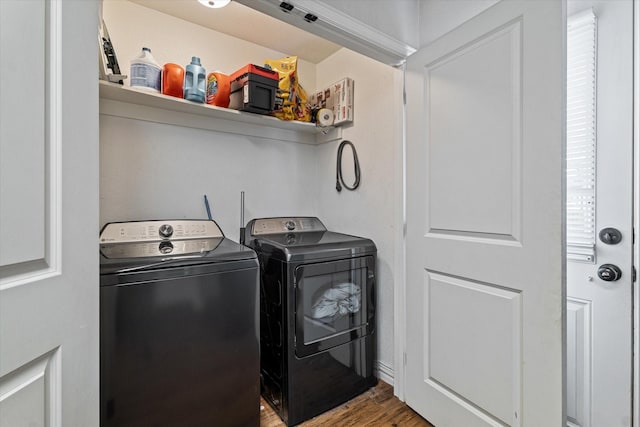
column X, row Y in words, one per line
column 356, row 167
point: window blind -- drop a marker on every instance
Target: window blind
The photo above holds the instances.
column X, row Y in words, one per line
column 581, row 136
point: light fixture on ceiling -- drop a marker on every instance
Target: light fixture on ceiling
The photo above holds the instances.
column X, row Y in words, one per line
column 214, row 4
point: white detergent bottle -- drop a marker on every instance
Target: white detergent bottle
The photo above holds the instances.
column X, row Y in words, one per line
column 146, row 73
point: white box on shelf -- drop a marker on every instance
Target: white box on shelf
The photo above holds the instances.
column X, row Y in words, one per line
column 339, row 98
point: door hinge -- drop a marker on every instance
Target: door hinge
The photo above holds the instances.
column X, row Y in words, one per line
column 633, row 274
column 404, row 358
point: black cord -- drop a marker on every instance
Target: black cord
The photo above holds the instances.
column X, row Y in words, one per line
column 356, row 167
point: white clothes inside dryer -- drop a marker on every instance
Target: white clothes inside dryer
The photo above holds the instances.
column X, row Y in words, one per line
column 338, row 300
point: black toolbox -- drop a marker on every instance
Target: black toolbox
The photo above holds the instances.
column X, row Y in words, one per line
column 253, row 89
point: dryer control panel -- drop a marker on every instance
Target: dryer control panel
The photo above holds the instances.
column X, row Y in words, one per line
column 286, row 225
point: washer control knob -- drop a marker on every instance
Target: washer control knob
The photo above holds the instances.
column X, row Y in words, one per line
column 291, row 225
column 165, row 231
column 609, row 272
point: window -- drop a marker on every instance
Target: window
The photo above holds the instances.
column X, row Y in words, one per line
column 581, row 136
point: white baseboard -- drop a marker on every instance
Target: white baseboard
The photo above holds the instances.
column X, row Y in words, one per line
column 384, row 372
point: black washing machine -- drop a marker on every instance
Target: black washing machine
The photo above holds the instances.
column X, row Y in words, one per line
column 317, row 315
column 178, row 326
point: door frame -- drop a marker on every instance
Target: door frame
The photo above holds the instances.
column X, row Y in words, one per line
column 636, row 212
column 400, row 247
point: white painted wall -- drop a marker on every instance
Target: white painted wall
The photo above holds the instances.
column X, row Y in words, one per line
column 154, row 171
column 438, row 17
column 371, row 209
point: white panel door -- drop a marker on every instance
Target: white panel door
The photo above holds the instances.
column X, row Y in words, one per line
column 485, row 310
column 48, row 213
column 599, row 313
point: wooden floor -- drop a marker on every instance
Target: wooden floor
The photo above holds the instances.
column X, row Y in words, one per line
column 376, row 407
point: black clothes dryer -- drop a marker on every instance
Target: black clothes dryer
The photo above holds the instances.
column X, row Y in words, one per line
column 317, row 315
column 178, row 326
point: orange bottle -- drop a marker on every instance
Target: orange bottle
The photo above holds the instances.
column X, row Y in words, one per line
column 172, row 80
column 218, row 89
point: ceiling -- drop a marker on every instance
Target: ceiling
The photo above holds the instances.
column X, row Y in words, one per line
column 247, row 24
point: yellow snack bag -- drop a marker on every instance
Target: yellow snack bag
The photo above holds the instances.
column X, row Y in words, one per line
column 295, row 102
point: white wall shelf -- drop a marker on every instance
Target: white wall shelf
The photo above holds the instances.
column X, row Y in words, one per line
column 120, row 101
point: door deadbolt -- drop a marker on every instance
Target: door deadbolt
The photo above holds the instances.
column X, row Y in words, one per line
column 609, row 272
column 610, row 236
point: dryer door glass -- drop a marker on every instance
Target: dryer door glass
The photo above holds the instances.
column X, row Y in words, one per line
column 334, row 303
